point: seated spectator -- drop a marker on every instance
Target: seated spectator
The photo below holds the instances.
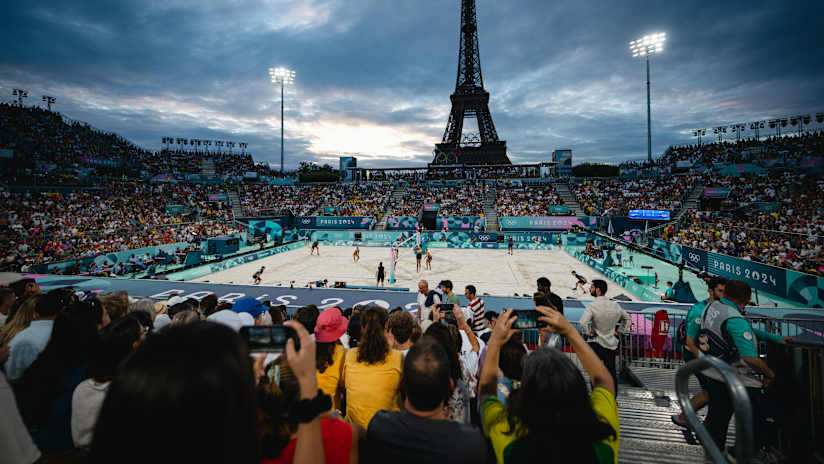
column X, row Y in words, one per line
column 7, row 298
column 116, row 304
column 397, row 437
column 16, row 444
column 20, row 319
column 116, row 342
column 27, row 345
column 44, row 392
column 537, row 425
column 371, row 371
column 331, row 325
column 399, row 331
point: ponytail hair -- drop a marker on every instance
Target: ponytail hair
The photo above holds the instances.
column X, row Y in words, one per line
column 373, row 346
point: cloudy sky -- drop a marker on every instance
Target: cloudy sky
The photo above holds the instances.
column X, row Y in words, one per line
column 374, row 76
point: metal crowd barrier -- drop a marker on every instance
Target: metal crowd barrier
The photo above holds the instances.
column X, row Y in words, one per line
column 744, row 423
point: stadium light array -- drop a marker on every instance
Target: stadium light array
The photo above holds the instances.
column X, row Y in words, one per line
column 20, row 94
column 284, row 77
column 48, row 100
column 699, row 133
column 645, row 46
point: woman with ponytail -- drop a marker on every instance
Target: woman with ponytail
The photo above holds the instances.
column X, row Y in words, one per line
column 371, row 371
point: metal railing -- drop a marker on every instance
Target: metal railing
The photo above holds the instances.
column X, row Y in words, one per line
column 744, row 422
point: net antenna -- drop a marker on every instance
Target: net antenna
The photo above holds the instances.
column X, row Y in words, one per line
column 394, row 252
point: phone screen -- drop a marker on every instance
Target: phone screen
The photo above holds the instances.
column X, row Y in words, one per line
column 268, row 339
column 527, row 319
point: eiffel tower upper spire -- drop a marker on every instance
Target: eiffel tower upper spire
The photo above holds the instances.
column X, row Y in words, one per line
column 470, row 99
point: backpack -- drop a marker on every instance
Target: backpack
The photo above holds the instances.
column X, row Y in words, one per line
column 721, row 345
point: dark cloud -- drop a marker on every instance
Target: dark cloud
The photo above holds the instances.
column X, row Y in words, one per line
column 374, row 78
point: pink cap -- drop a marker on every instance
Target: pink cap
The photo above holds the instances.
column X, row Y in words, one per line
column 330, row 325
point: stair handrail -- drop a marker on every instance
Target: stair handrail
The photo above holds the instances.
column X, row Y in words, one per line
column 744, row 435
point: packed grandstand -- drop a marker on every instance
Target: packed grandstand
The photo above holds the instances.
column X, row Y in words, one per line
column 72, row 191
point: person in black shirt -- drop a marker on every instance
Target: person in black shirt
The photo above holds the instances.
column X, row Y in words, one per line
column 421, row 433
column 544, row 286
column 381, row 274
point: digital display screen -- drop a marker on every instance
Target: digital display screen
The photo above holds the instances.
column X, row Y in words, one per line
column 649, row 214
column 431, row 207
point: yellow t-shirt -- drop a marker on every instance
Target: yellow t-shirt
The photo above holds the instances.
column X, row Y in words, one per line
column 329, row 379
column 496, row 427
column 371, row 387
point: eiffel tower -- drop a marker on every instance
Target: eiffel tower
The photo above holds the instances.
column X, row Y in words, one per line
column 470, row 100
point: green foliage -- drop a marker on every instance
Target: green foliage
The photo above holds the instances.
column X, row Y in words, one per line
column 311, row 172
column 595, row 170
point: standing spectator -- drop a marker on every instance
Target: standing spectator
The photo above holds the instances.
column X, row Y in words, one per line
column 330, row 326
column 308, row 317
column 399, row 331
column 116, row 342
column 30, row 342
column 545, row 287
column 371, row 371
column 476, row 305
column 600, row 322
column 715, row 285
column 7, row 298
column 723, row 318
column 16, row 445
column 427, row 299
column 449, row 296
column 25, row 287
column 536, row 426
column 489, row 322
column 395, row 437
column 44, row 392
column 464, row 369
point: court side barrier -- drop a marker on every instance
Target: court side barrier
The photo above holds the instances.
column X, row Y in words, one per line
column 744, row 434
column 206, row 269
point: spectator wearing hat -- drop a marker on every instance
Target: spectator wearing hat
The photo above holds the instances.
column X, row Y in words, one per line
column 225, row 317
column 251, row 311
column 331, row 325
column 395, row 437
column 372, row 371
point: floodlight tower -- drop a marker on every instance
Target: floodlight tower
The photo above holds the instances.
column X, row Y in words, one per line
column 646, row 46
column 284, row 77
column 48, row 100
column 20, row 94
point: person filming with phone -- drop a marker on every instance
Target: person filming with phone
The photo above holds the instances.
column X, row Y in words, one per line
column 535, row 425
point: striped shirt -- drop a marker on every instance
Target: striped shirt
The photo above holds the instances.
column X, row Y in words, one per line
column 477, row 308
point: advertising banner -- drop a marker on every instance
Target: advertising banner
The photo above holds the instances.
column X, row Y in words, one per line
column 548, row 222
column 218, row 197
column 334, row 222
column 174, row 209
column 401, row 223
column 761, row 276
column 559, row 209
column 649, row 214
column 717, row 192
column 459, row 222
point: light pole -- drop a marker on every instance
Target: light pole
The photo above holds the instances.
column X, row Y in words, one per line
column 699, row 133
column 48, row 100
column 284, row 77
column 646, row 46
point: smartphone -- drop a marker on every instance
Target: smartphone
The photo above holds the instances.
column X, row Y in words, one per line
column 528, row 319
column 268, row 338
column 447, row 315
